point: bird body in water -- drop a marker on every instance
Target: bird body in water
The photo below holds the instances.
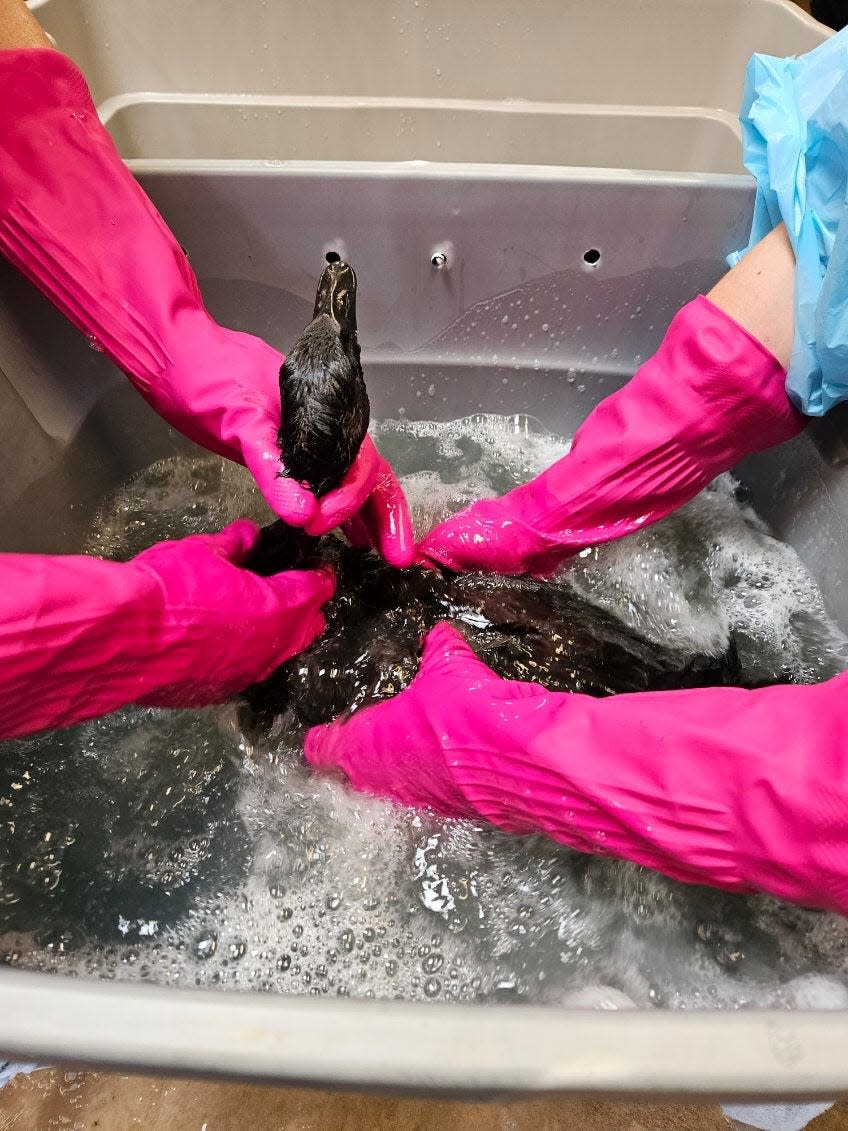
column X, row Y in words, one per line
column 322, row 389
column 523, row 628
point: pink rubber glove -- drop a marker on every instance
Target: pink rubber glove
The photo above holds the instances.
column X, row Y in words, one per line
column 76, row 223
column 370, row 507
column 178, row 626
column 709, row 396
column 383, row 522
column 743, row 790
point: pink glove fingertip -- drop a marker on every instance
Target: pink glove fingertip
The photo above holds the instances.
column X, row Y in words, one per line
column 290, row 501
column 443, row 547
column 320, row 582
column 336, row 507
column 389, row 521
column 356, row 532
column 436, row 557
column 235, row 541
column 447, row 652
column 303, row 587
column 319, row 745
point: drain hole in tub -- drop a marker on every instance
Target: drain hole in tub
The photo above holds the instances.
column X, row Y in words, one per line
column 333, row 257
column 592, row 256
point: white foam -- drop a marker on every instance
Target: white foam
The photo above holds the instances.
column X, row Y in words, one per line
column 815, row 991
column 597, row 997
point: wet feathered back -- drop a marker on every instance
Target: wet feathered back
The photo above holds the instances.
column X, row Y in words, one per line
column 324, row 412
column 325, row 406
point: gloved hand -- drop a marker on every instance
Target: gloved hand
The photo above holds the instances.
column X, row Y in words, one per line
column 178, row 626
column 743, row 790
column 76, row 223
column 371, row 509
column 709, row 396
column 383, row 522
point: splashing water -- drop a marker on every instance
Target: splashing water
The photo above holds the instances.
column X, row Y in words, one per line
column 158, row 845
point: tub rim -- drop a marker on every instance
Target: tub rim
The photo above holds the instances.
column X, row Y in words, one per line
column 464, row 1050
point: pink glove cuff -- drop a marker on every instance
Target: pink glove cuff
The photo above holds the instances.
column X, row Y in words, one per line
column 716, row 785
column 48, row 109
column 47, row 609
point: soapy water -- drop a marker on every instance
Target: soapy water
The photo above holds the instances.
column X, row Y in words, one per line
column 159, row 845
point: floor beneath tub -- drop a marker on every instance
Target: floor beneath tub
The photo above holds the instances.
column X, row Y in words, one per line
column 50, row 1099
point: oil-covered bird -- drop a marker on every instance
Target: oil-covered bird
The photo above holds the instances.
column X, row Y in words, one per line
column 523, row 628
column 324, row 400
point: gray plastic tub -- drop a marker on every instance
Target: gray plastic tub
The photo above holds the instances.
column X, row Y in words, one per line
column 435, row 346
column 207, row 105
column 638, row 84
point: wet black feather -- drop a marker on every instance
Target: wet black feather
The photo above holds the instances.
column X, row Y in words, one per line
column 325, row 406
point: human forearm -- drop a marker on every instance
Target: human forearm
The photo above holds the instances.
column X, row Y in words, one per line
column 758, row 293
column 19, row 27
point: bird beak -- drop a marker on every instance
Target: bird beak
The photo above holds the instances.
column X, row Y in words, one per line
column 336, row 296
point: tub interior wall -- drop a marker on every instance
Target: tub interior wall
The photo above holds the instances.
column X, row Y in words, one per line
column 685, row 53
column 542, row 83
column 516, row 322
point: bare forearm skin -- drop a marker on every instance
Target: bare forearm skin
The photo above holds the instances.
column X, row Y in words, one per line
column 19, row 27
